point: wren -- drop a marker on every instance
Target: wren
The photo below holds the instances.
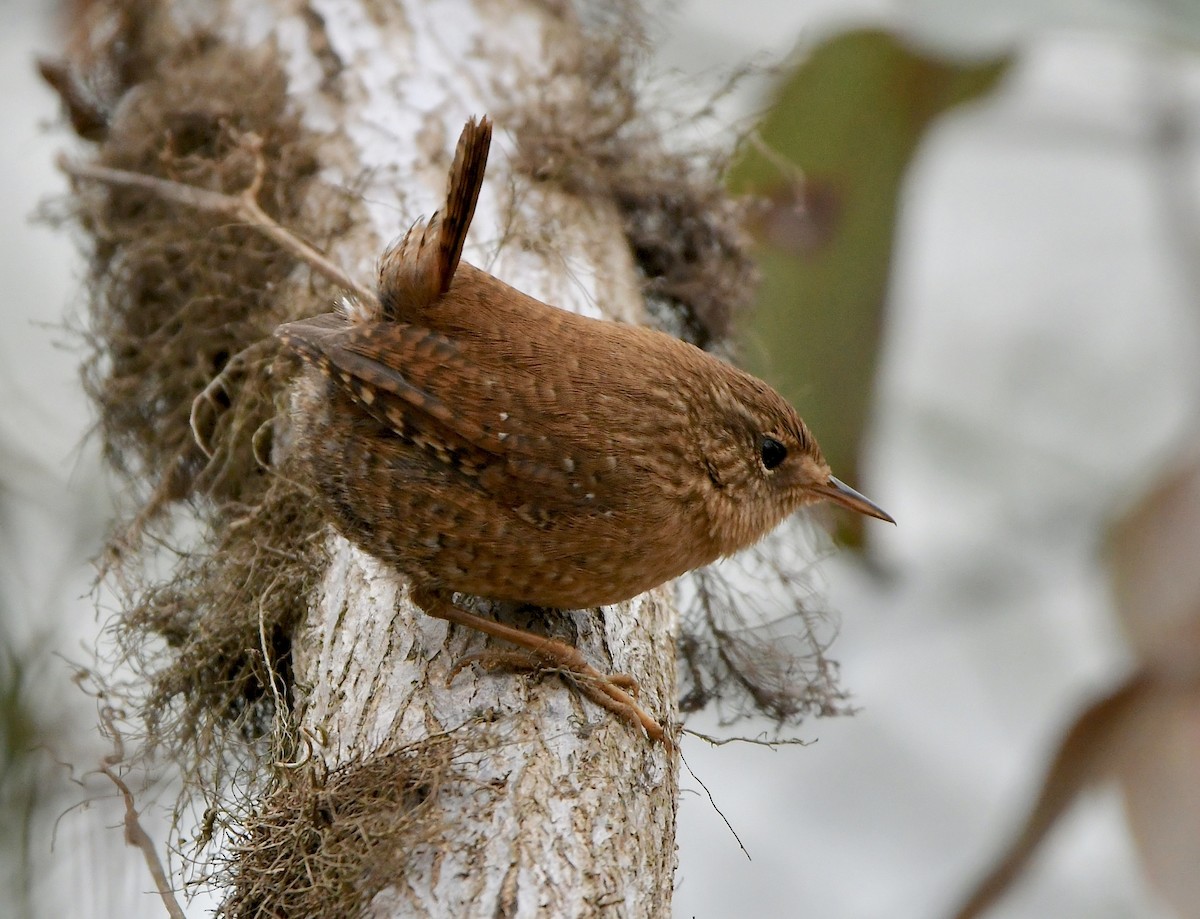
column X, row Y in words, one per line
column 484, row 443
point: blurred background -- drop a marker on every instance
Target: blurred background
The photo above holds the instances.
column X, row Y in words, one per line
column 982, row 290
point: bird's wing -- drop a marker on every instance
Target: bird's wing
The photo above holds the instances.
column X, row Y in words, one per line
column 418, row 383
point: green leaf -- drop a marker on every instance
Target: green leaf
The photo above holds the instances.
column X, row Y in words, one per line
column 829, row 158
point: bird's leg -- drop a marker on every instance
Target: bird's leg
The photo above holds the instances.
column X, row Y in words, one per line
column 611, row 692
column 495, row 659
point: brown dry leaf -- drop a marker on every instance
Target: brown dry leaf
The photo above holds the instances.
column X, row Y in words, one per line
column 1162, row 795
column 1085, row 753
column 1155, row 562
column 1154, row 555
column 1146, row 734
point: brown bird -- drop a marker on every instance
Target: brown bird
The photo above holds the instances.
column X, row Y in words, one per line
column 484, row 443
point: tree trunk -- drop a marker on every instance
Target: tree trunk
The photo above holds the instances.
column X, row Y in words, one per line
column 555, row 807
column 544, row 805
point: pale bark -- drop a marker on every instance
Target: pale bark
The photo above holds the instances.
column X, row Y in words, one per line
column 569, row 812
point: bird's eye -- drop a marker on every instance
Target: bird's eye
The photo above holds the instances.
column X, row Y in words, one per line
column 772, row 452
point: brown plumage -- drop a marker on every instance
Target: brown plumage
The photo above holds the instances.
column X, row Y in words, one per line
column 483, row 442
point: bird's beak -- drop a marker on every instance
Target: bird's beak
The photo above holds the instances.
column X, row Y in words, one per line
column 839, row 492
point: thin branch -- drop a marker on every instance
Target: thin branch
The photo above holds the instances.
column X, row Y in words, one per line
column 242, row 207
column 713, row 802
column 135, row 833
column 759, row 741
